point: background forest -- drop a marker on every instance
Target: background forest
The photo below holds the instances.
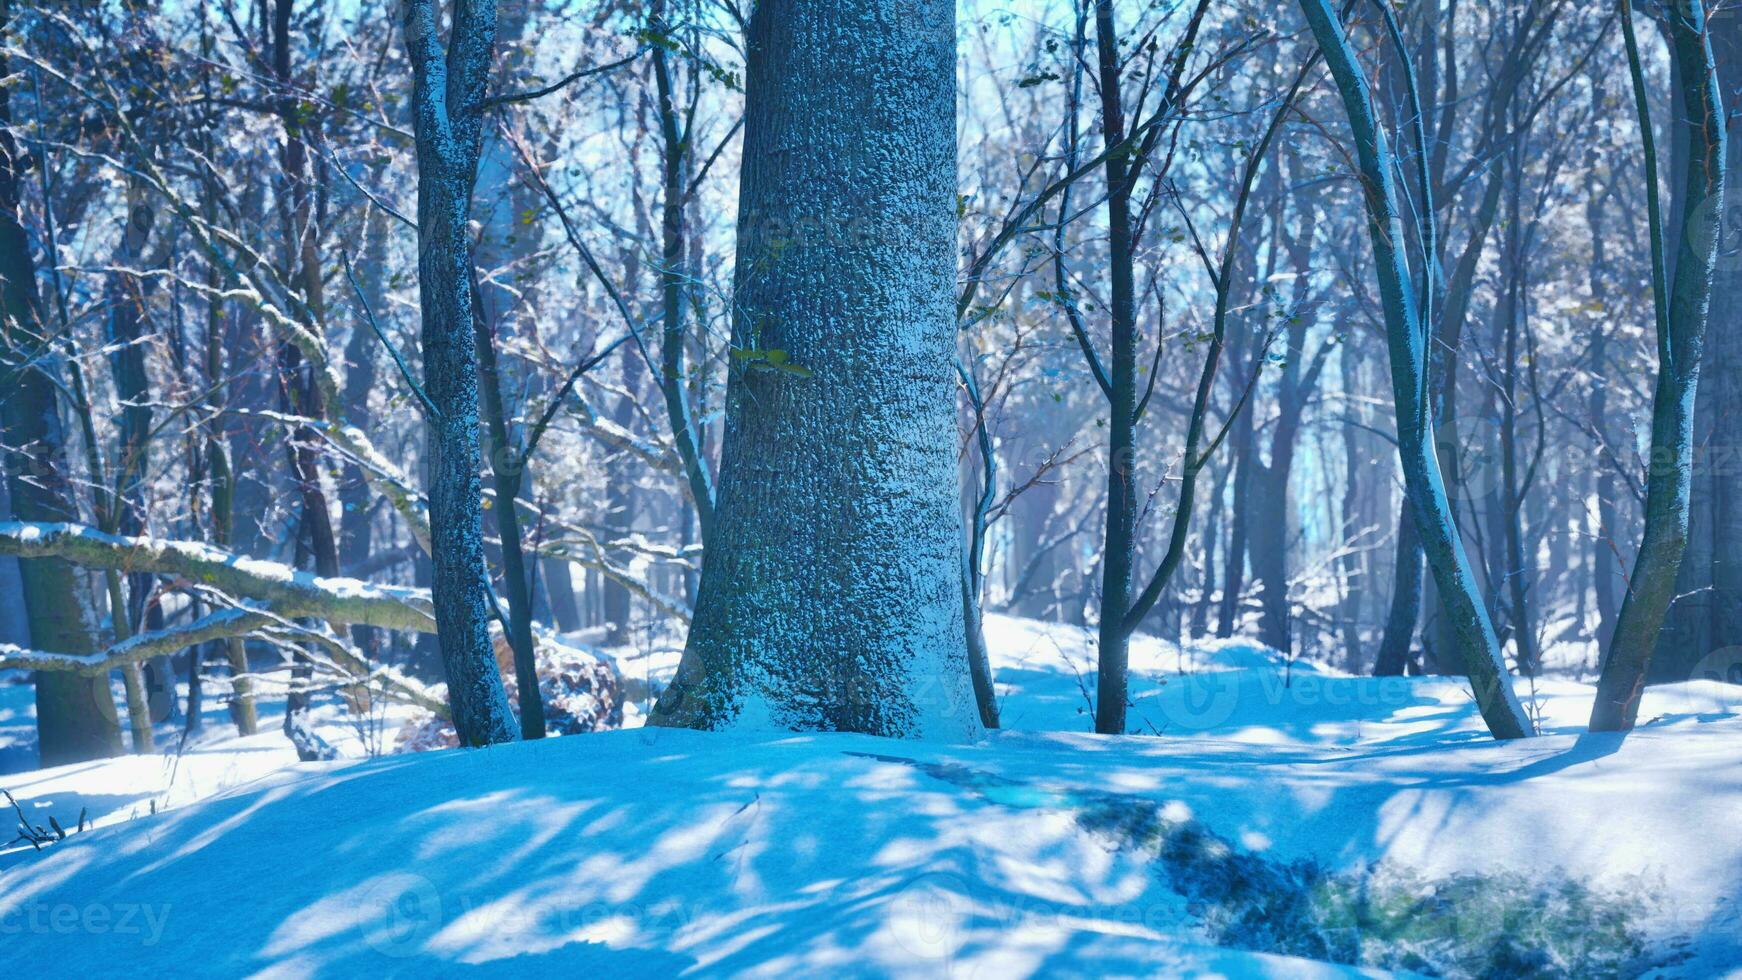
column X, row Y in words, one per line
column 369, row 364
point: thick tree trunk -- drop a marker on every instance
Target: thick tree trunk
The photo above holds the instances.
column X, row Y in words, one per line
column 448, row 96
column 1707, row 613
column 75, row 715
column 830, row 595
column 1724, row 349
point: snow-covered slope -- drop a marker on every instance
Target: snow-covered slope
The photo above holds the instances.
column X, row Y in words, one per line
column 1043, row 849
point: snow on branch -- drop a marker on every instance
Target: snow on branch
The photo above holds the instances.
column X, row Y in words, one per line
column 286, row 591
column 340, row 660
column 219, row 625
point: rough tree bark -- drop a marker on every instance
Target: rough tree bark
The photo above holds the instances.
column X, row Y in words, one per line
column 830, row 594
column 448, row 103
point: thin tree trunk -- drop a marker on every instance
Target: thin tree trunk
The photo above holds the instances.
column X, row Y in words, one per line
column 356, row 515
column 1406, row 593
column 1234, row 556
column 507, row 470
column 1706, row 614
column 449, row 86
column 126, row 335
column 1356, row 570
column 1444, row 549
column 676, row 149
column 508, row 461
column 1518, row 571
column 1120, row 541
column 1294, row 387
column 1681, row 327
column 299, row 394
column 1605, row 571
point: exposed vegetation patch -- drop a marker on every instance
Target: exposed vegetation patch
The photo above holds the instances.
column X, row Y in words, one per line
column 1466, row 925
column 1500, row 925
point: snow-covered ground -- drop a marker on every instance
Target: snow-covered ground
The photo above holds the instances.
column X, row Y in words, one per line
column 1042, row 849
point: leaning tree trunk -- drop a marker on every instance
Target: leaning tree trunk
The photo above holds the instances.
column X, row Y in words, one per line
column 1473, row 629
column 830, row 594
column 1681, row 328
column 448, row 94
column 75, row 715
